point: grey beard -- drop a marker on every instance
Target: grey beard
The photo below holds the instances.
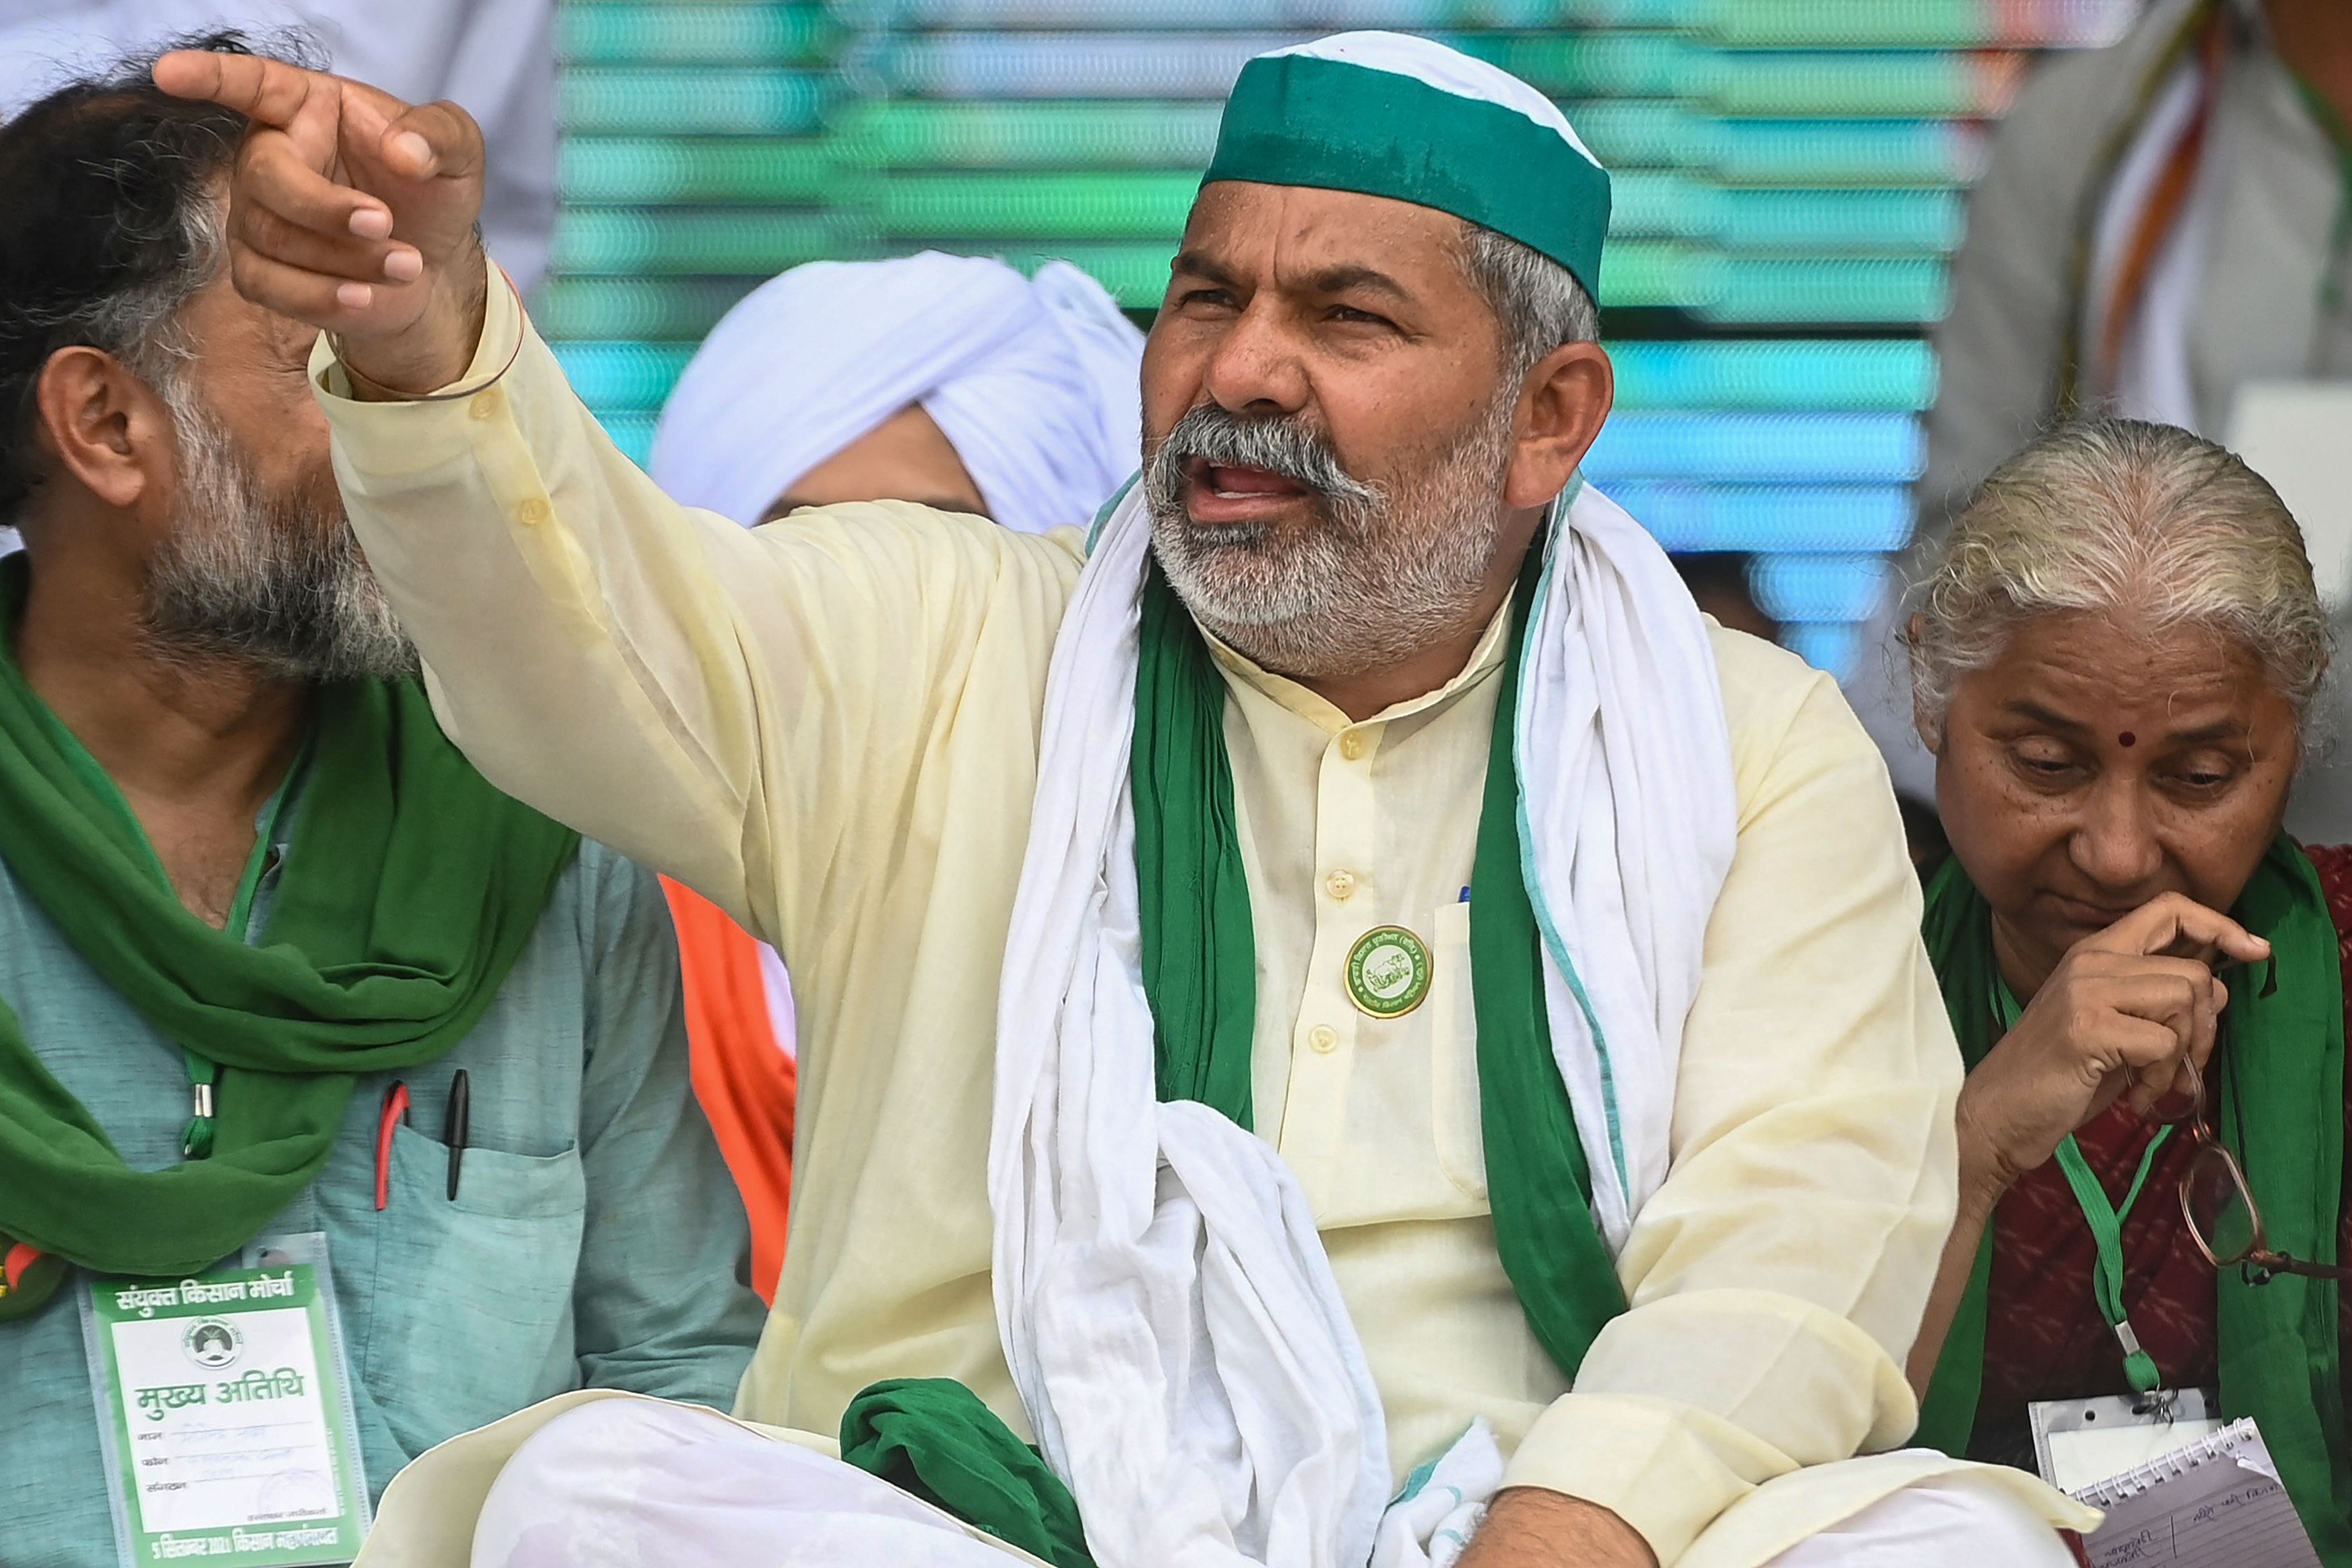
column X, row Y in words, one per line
column 273, row 581
column 1377, row 579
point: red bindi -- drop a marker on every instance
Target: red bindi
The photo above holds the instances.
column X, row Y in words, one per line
column 2127, row 739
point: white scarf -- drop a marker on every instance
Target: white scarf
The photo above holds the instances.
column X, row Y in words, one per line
column 1169, row 1315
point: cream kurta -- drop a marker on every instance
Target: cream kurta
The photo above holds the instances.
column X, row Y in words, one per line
column 830, row 726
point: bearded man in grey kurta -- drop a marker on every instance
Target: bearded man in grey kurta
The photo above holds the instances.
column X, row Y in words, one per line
column 190, row 645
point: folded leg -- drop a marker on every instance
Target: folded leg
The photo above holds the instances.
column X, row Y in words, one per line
column 1967, row 1520
column 625, row 1481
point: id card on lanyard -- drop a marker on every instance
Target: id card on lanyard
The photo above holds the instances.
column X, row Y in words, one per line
column 226, row 1413
column 2080, row 1442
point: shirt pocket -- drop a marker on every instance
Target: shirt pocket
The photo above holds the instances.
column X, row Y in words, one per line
column 1454, row 1056
column 472, row 1295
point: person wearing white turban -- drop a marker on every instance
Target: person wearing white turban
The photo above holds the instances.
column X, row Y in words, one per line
column 949, row 381
column 1031, row 384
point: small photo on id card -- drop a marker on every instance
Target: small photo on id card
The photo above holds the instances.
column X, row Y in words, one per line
column 226, row 1411
column 2078, row 1443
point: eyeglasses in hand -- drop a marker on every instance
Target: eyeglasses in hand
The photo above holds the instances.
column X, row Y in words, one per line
column 2219, row 1206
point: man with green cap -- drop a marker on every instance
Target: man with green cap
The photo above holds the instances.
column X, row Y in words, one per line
column 1335, row 1005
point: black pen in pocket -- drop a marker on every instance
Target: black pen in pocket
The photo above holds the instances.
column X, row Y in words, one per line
column 459, row 1124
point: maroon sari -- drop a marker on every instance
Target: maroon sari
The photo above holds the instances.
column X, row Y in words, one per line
column 2044, row 1338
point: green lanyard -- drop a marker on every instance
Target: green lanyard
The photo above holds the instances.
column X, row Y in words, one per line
column 204, row 1073
column 2107, row 1223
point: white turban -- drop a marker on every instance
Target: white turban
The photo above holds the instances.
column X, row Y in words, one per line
column 1033, row 383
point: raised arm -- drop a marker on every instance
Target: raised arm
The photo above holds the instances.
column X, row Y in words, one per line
column 746, row 711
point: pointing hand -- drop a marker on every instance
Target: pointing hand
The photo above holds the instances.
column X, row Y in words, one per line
column 351, row 211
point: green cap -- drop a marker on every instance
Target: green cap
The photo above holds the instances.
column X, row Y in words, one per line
column 1390, row 115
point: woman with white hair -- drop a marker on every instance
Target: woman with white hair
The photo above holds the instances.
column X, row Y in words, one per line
column 2115, row 654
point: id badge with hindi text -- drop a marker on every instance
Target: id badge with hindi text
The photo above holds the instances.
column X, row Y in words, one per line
column 226, row 1411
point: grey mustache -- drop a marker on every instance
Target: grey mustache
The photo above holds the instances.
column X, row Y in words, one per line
column 1276, row 444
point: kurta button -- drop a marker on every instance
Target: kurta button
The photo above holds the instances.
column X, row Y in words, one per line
column 534, row 513
column 1324, row 1038
column 1352, row 745
column 1340, row 885
column 485, row 404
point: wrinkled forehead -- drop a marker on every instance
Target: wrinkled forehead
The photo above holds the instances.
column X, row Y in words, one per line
column 2099, row 670
column 1308, row 239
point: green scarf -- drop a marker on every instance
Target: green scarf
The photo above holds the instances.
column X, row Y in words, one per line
column 1200, row 967
column 410, row 888
column 1200, row 973
column 2283, row 1076
column 933, row 1438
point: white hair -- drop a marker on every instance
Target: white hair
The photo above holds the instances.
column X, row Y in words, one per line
column 2146, row 521
column 1538, row 302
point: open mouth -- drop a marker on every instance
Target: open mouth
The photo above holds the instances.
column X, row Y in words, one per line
column 1235, row 493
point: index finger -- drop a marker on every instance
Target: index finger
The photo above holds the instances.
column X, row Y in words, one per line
column 270, row 92
column 2165, row 922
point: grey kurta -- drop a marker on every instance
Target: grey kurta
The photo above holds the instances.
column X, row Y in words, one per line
column 595, row 1240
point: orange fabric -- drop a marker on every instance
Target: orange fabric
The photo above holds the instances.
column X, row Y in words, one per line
column 745, row 1081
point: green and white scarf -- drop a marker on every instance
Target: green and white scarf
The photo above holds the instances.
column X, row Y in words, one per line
column 1169, row 1315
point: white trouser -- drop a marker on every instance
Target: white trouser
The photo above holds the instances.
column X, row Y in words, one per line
column 627, row 1481
column 1963, row 1520
column 662, row 1486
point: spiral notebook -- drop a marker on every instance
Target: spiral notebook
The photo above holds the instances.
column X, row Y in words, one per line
column 2216, row 1503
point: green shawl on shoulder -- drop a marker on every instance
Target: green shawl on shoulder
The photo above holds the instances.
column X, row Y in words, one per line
column 410, row 888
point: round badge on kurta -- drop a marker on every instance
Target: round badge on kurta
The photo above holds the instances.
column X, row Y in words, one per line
column 1388, row 972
